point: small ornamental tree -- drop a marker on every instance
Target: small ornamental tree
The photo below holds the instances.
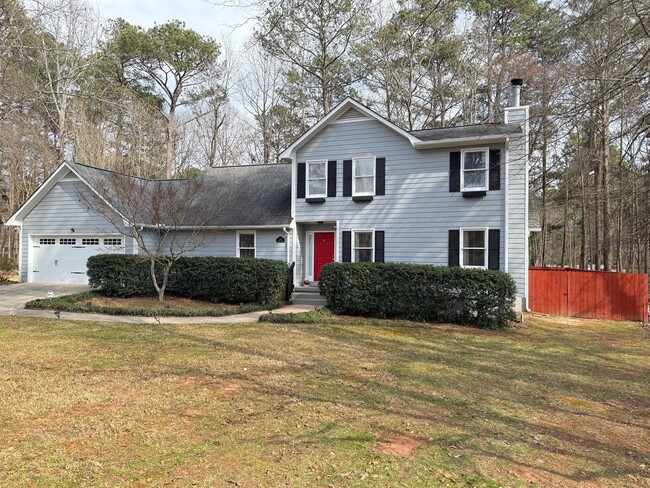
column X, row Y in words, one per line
column 166, row 218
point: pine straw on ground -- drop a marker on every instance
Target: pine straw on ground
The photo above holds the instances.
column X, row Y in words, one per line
column 557, row 402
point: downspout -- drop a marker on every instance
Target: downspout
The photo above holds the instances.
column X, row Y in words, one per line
column 507, row 205
column 288, row 233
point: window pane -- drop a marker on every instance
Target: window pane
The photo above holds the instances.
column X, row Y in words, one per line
column 474, row 238
column 474, row 257
column 474, row 160
column 247, row 253
column 246, row 240
column 363, row 255
column 474, row 179
column 364, row 167
column 317, row 187
column 316, row 170
column 364, row 185
column 363, row 239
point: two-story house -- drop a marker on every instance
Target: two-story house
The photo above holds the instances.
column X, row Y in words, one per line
column 356, row 188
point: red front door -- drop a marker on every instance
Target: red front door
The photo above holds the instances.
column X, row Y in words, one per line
column 323, row 250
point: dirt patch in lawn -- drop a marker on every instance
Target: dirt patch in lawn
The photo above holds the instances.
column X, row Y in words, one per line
column 403, row 446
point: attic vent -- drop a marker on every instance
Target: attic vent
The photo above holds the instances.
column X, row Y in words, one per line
column 70, row 176
column 351, row 114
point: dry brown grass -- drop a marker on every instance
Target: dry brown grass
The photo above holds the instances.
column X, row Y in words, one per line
column 337, row 404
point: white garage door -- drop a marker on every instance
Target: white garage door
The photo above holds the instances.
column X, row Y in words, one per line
column 62, row 259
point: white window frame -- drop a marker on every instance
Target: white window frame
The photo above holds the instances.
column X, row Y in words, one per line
column 355, row 193
column 254, row 233
column 308, row 194
column 485, row 150
column 109, row 241
column 67, row 241
column 485, row 247
column 354, row 248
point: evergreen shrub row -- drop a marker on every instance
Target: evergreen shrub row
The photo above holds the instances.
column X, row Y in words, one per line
column 477, row 297
column 218, row 279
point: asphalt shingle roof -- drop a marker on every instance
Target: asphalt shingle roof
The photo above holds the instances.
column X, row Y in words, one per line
column 477, row 130
column 253, row 195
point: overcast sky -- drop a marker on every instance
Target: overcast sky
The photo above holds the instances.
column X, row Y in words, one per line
column 200, row 15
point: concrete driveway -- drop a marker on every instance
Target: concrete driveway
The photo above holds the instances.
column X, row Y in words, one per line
column 14, row 297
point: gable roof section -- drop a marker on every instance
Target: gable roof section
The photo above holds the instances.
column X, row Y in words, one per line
column 236, row 196
column 59, row 174
column 333, row 115
column 351, row 110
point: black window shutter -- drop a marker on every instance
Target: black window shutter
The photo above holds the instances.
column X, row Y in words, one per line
column 347, row 178
column 347, row 246
column 381, row 176
column 495, row 169
column 454, row 171
column 331, row 178
column 379, row 246
column 493, row 248
column 454, row 247
column 300, row 185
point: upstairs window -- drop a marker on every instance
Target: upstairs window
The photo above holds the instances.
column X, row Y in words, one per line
column 363, row 246
column 316, row 179
column 245, row 244
column 363, row 176
column 474, row 167
column 473, row 253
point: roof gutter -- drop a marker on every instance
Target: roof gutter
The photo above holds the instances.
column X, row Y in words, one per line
column 211, row 227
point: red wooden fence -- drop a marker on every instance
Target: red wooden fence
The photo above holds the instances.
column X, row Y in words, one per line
column 589, row 294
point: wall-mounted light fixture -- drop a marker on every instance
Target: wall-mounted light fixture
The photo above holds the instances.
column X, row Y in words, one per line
column 71, row 230
column 280, row 239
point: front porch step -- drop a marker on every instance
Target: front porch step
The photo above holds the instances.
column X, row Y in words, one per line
column 308, row 295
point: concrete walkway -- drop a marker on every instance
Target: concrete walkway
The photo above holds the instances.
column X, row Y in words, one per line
column 14, row 297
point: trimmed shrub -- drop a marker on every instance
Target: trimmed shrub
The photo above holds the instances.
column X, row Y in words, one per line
column 218, row 279
column 482, row 298
column 229, row 280
column 120, row 275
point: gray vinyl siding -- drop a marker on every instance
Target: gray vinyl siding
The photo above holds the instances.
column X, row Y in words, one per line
column 417, row 210
column 57, row 213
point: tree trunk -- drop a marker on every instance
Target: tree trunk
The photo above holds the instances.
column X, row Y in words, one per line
column 584, row 218
column 565, row 230
column 607, row 242
column 171, row 143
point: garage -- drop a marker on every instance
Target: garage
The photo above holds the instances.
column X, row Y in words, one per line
column 62, row 259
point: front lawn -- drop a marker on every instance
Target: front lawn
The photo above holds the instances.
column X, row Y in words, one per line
column 559, row 402
column 145, row 306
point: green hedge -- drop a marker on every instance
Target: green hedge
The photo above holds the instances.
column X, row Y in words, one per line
column 230, row 280
column 482, row 298
column 219, row 279
column 120, row 275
